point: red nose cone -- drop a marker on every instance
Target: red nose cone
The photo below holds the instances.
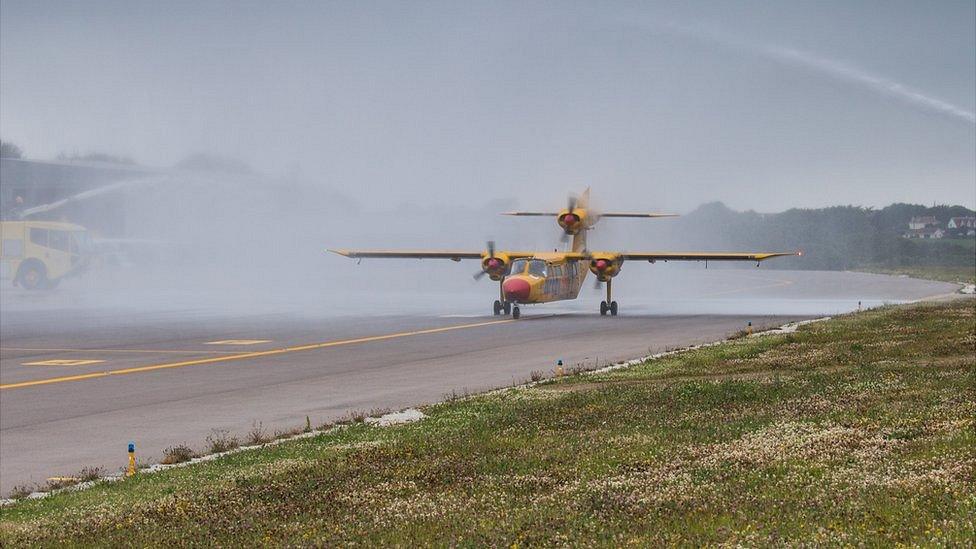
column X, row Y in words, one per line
column 516, row 289
column 494, row 263
column 570, row 219
column 601, row 264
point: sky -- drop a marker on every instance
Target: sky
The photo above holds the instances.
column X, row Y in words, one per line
column 658, row 106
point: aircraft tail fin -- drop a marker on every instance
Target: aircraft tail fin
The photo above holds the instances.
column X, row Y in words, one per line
column 579, row 241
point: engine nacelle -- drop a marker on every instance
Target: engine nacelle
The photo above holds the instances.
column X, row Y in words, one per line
column 496, row 266
column 572, row 222
column 605, row 266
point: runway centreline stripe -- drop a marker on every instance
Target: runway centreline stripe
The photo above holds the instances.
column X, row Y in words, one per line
column 241, row 356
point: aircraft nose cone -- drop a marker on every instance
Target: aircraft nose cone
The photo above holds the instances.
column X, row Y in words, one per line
column 516, row 289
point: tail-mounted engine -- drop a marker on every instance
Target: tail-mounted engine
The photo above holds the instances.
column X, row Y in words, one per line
column 572, row 221
column 605, row 266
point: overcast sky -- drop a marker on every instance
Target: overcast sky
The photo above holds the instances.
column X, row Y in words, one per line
column 663, row 105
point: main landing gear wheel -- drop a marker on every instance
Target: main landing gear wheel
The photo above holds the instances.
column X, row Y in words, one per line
column 608, row 306
column 508, row 307
column 605, row 308
column 515, row 312
column 497, row 307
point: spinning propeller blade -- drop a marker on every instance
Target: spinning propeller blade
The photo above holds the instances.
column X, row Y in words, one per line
column 491, row 253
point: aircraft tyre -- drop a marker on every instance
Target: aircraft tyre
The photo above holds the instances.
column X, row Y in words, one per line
column 508, row 307
column 603, row 308
column 613, row 308
column 497, row 307
column 516, row 312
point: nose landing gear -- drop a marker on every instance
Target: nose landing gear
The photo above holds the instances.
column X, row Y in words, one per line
column 501, row 306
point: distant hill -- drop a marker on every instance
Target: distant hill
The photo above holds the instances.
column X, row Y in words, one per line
column 838, row 237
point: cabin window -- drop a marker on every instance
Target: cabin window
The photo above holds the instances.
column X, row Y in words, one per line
column 38, row 236
column 537, row 267
column 13, row 247
column 58, row 240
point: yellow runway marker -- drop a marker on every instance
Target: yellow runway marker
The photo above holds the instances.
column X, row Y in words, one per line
column 62, row 362
column 151, row 351
column 255, row 354
column 239, row 342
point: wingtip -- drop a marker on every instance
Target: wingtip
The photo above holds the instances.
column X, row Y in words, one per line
column 340, row 251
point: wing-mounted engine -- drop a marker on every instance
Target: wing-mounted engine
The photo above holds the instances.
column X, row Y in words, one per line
column 605, row 265
column 493, row 264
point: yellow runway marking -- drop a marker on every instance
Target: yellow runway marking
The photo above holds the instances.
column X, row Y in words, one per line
column 239, row 342
column 63, row 362
column 152, row 351
column 255, row 354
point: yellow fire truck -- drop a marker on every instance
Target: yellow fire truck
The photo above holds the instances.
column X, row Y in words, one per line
column 36, row 255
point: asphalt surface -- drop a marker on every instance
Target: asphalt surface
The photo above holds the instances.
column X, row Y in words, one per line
column 164, row 375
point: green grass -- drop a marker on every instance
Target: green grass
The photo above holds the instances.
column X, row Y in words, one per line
column 859, row 430
column 961, row 274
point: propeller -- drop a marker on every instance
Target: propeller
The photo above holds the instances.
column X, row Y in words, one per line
column 491, row 258
column 571, row 202
column 601, row 265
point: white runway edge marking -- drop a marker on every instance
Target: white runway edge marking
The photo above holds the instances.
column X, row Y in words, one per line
column 238, row 342
column 784, row 329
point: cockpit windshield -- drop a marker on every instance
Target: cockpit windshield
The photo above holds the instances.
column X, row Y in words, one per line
column 518, row 266
column 537, row 267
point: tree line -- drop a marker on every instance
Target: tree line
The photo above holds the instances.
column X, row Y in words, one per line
column 834, row 238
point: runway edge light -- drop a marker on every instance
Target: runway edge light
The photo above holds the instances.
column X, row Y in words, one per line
column 131, row 469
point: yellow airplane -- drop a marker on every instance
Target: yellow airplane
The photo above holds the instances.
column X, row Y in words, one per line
column 529, row 277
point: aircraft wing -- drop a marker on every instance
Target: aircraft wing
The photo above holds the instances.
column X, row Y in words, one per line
column 703, row 256
column 453, row 255
column 536, row 214
column 635, row 214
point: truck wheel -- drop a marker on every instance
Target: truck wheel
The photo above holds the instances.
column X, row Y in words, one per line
column 32, row 276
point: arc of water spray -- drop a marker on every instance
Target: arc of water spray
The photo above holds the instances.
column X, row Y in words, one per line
column 831, row 67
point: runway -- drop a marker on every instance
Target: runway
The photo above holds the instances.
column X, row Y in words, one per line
column 79, row 380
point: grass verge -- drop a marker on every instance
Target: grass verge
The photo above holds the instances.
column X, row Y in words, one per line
column 958, row 274
column 857, row 430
